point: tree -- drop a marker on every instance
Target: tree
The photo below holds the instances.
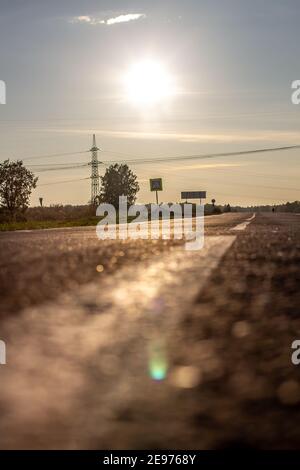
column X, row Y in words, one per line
column 118, row 180
column 16, row 184
column 213, row 201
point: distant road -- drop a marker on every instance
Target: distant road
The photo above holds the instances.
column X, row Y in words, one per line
column 90, row 326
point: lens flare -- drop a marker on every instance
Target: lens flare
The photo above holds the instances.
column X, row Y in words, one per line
column 158, row 364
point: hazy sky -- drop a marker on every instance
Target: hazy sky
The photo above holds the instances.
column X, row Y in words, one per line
column 231, row 65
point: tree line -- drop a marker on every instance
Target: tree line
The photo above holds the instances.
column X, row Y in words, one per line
column 17, row 183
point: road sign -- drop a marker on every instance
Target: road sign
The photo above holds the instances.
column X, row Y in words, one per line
column 156, row 184
column 193, row 195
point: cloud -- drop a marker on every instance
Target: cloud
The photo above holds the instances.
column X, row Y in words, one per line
column 125, row 18
column 81, row 19
column 86, row 19
column 93, row 20
column 282, row 137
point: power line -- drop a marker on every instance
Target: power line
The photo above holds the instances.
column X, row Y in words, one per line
column 166, row 159
column 63, row 181
column 55, row 164
column 63, row 166
column 161, row 159
column 204, row 156
column 42, row 170
column 53, row 155
column 95, row 163
column 176, row 157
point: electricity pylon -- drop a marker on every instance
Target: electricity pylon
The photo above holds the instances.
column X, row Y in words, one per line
column 95, row 186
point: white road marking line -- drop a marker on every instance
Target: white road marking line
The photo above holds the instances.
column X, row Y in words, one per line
column 22, row 231
column 244, row 224
column 50, row 229
column 52, row 347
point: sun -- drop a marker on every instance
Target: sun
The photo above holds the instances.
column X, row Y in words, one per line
column 148, row 83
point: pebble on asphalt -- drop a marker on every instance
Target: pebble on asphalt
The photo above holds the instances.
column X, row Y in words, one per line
column 185, row 377
column 241, row 329
column 289, row 392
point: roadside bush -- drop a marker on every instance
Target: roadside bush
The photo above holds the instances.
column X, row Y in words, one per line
column 59, row 212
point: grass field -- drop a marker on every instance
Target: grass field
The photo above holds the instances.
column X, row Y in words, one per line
column 36, row 224
column 43, row 224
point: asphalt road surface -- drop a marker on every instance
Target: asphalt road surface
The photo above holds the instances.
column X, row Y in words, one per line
column 141, row 344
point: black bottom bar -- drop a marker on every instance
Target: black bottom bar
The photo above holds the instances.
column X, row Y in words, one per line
column 133, row 459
